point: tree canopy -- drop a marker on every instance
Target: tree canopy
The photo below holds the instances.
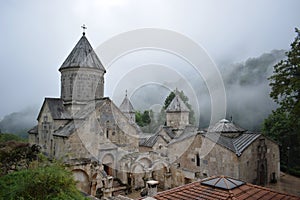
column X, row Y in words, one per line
column 40, row 183
column 283, row 125
column 143, row 119
column 285, row 82
column 27, row 174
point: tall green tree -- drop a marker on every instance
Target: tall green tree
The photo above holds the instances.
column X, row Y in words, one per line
column 285, row 82
column 142, row 119
column 283, row 125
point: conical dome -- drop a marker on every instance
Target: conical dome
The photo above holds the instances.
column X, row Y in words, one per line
column 82, row 55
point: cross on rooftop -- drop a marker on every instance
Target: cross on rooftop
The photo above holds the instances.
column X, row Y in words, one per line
column 83, row 28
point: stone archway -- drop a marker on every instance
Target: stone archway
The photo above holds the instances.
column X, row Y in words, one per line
column 159, row 171
column 138, row 176
column 108, row 162
column 82, row 178
column 145, row 161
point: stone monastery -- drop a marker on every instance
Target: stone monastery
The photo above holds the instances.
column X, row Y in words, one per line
column 108, row 153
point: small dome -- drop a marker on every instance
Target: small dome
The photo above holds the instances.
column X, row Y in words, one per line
column 225, row 126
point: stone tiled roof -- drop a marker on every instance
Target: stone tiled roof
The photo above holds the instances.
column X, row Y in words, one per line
column 188, row 132
column 56, row 108
column 66, row 130
column 177, row 105
column 151, row 140
column 197, row 190
column 169, row 131
column 82, row 55
column 236, row 145
column 33, row 130
column 225, row 126
column 111, row 114
column 126, row 106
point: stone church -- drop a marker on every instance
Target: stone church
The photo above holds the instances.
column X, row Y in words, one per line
column 108, row 153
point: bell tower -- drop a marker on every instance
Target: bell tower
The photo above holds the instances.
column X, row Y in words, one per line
column 82, row 76
column 177, row 113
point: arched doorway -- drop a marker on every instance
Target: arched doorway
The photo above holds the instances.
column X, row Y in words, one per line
column 82, row 180
column 108, row 164
column 262, row 176
column 138, row 176
column 159, row 174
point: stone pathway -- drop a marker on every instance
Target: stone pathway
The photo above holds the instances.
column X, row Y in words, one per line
column 288, row 184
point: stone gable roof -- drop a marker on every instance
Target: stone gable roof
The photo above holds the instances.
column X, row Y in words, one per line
column 150, row 141
column 109, row 113
column 240, row 191
column 177, row 105
column 82, row 55
column 188, row 132
column 57, row 108
column 33, row 130
column 236, row 145
column 126, row 106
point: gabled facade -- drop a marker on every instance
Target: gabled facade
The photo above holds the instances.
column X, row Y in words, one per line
column 177, row 113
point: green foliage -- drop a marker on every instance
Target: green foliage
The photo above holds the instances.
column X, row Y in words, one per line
column 169, row 99
column 285, row 81
column 15, row 156
column 40, row 183
column 142, row 119
column 283, row 125
column 4, row 137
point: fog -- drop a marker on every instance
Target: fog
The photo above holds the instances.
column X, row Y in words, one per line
column 36, row 37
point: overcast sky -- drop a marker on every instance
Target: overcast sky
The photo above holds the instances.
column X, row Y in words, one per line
column 36, row 36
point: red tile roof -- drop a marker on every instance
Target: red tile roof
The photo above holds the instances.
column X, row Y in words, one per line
column 198, row 191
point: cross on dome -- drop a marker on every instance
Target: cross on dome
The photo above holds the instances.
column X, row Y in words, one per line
column 83, row 28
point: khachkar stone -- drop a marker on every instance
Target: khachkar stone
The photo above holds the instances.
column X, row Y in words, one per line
column 82, row 75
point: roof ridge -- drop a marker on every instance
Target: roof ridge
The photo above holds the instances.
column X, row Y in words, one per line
column 177, row 105
column 248, row 139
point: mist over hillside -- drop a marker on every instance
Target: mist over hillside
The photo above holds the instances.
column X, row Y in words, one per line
column 247, row 92
column 19, row 122
column 247, row 89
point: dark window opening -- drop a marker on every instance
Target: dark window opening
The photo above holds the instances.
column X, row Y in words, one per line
column 45, row 118
column 198, row 160
column 108, row 170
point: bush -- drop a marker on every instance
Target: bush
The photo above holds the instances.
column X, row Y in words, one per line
column 40, row 183
column 294, row 172
column 5, row 137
